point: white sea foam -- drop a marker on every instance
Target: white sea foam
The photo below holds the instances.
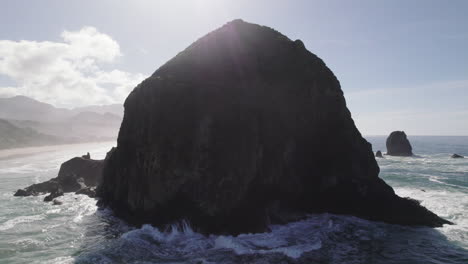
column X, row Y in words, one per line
column 58, row 260
column 29, row 244
column 184, row 241
column 18, row 220
column 451, row 205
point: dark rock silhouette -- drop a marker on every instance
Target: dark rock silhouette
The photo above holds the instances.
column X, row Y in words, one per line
column 39, row 188
column 398, row 144
column 87, row 156
column 241, row 130
column 378, row 154
column 74, row 175
column 456, row 156
column 23, row 192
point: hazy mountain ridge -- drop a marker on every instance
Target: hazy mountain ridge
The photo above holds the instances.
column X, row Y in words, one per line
column 115, row 109
column 12, row 136
column 40, row 123
column 25, row 108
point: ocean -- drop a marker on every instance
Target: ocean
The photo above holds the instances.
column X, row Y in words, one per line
column 32, row 231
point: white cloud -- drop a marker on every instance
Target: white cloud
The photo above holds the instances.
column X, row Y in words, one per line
column 67, row 73
column 8, row 91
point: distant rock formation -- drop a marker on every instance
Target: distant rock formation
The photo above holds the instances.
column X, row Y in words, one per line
column 398, row 144
column 241, row 130
column 75, row 175
column 456, row 156
column 378, row 154
column 25, row 122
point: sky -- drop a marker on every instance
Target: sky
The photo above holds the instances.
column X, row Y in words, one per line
column 402, row 65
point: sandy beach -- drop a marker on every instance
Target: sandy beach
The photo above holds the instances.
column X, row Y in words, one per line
column 20, row 152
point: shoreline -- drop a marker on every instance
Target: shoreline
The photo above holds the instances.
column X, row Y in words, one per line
column 12, row 153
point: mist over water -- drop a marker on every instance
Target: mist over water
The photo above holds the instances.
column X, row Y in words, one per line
column 32, row 231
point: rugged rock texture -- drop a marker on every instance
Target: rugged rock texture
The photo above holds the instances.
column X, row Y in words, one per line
column 89, row 191
column 398, row 144
column 75, row 174
column 54, row 194
column 39, row 188
column 90, row 171
column 378, row 154
column 456, row 156
column 245, row 128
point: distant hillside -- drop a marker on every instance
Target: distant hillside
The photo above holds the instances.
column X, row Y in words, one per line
column 25, row 108
column 12, row 137
column 48, row 123
column 87, row 126
column 96, row 118
column 115, row 109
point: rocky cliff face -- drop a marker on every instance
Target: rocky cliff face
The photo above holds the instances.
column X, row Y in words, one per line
column 244, row 128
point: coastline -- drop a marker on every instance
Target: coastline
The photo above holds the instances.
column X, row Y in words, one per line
column 12, row 153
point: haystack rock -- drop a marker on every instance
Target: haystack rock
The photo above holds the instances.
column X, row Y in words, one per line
column 378, row 154
column 398, row 144
column 241, row 130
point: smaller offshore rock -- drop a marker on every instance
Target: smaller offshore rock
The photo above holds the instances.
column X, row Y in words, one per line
column 75, row 175
column 398, row 144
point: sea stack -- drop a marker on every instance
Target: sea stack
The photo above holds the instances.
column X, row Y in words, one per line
column 378, row 154
column 240, row 130
column 75, row 175
column 398, row 144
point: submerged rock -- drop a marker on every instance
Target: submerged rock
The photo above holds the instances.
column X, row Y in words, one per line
column 74, row 175
column 240, row 130
column 23, row 192
column 378, row 154
column 57, row 202
column 39, row 188
column 456, row 156
column 54, row 194
column 89, row 191
column 398, row 144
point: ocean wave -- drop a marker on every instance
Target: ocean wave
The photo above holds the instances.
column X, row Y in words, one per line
column 58, row 260
column 29, row 244
column 77, row 232
column 449, row 204
column 292, row 241
column 19, row 220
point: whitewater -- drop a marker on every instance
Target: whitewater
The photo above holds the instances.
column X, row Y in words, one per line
column 32, row 231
